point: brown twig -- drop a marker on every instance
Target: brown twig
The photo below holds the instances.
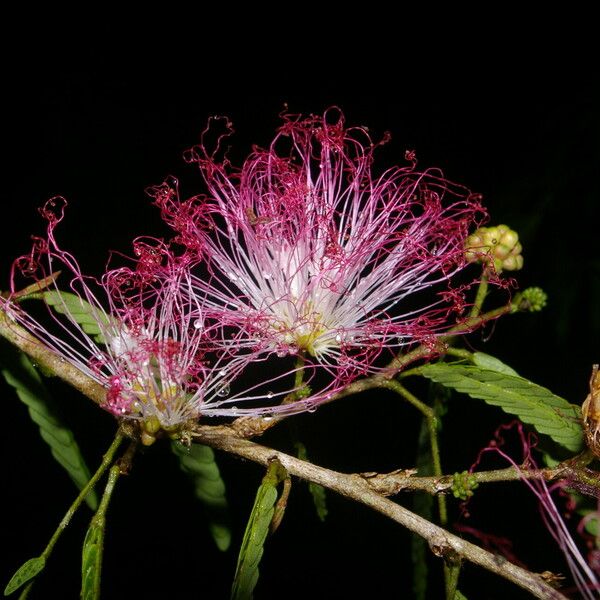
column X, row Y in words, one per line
column 397, row 481
column 442, row 543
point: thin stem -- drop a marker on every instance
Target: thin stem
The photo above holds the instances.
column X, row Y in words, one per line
column 466, row 326
column 449, row 351
column 481, row 294
column 459, row 353
column 106, row 461
column 396, row 386
column 452, row 573
column 92, row 562
column 299, row 378
column 390, row 484
column 113, row 475
column 432, row 426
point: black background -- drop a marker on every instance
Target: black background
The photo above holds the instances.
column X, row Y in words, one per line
column 523, row 131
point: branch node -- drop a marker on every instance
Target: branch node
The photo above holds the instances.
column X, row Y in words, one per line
column 388, row 484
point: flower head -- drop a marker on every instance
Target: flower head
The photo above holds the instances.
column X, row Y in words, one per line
column 311, row 251
column 141, row 333
column 497, row 246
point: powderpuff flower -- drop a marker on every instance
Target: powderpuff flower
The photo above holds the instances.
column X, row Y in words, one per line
column 311, row 252
column 142, row 335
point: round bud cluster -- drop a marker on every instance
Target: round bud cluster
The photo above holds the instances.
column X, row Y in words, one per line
column 532, row 299
column 463, row 485
column 499, row 245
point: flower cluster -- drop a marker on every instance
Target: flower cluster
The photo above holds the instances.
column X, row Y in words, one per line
column 311, row 252
column 304, row 251
column 498, row 246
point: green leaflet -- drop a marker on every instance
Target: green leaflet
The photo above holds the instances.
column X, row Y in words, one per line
column 24, row 574
column 533, row 404
column 91, row 560
column 487, row 361
column 246, row 573
column 319, row 498
column 32, row 567
column 21, row 375
column 198, row 462
column 316, row 491
column 93, row 545
column 459, row 595
column 82, row 312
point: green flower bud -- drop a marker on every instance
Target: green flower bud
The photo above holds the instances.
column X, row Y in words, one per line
column 147, row 439
column 152, row 425
column 532, row 299
column 463, row 485
column 498, row 245
column 149, row 428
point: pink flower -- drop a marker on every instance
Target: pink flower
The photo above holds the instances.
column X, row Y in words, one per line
column 142, row 334
column 310, row 251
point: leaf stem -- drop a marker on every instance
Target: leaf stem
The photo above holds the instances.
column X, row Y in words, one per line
column 481, row 294
column 113, row 475
column 93, row 546
column 451, row 574
column 106, row 461
column 432, row 426
column 460, row 353
column 299, row 378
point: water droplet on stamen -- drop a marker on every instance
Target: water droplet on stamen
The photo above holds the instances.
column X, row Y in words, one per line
column 224, row 390
column 197, row 323
column 270, row 394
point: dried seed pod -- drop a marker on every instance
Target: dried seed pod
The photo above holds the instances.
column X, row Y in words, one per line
column 591, row 413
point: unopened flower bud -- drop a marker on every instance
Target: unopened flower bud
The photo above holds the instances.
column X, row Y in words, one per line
column 152, row 425
column 147, row 439
column 463, row 485
column 532, row 299
column 499, row 245
column 512, row 263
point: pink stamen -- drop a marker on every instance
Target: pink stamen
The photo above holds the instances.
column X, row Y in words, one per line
column 309, row 250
